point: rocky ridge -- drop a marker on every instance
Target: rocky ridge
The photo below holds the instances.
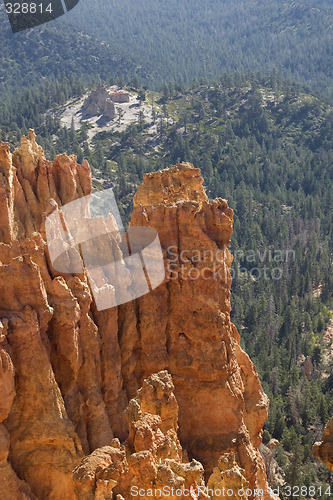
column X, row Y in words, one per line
column 68, row 371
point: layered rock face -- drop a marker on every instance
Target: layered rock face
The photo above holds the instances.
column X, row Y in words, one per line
column 69, row 371
column 151, row 458
column 324, row 450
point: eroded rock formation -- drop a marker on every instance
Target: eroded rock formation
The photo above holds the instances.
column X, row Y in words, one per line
column 100, row 102
column 324, row 450
column 185, row 323
column 68, row 371
column 151, row 458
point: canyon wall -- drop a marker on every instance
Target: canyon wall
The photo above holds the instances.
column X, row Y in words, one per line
column 68, row 371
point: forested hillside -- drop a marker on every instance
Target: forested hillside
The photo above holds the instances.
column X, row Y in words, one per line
column 49, row 52
column 183, row 40
column 157, row 42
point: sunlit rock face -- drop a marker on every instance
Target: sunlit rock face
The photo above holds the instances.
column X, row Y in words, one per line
column 324, row 450
column 68, row 371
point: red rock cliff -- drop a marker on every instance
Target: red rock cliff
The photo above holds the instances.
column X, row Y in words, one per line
column 68, row 372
